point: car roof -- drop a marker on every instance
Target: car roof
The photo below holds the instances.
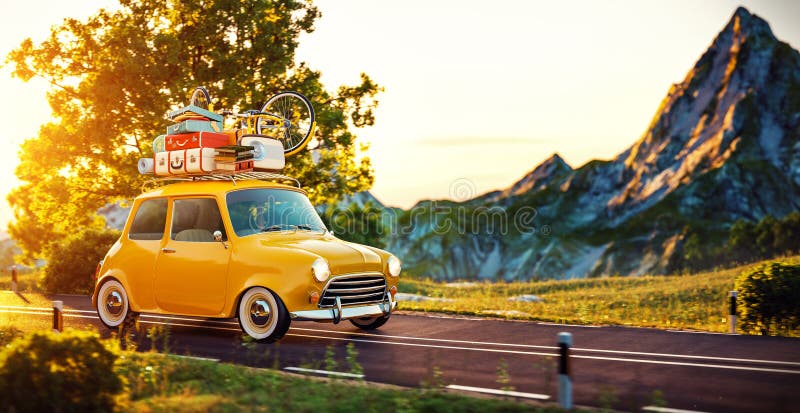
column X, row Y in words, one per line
column 218, row 187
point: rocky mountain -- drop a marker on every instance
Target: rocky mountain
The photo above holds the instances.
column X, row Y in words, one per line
column 723, row 145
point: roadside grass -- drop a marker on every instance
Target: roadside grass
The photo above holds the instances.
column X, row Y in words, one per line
column 27, row 280
column 697, row 301
column 157, row 382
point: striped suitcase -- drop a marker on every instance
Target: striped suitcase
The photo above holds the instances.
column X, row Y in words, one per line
column 194, row 125
column 196, row 140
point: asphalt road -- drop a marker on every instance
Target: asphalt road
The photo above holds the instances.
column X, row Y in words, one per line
column 619, row 367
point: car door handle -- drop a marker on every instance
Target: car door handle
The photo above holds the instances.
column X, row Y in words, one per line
column 167, row 250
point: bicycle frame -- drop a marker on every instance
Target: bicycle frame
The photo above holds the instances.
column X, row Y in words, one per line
column 251, row 120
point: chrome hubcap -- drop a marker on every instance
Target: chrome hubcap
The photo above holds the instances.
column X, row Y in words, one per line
column 259, row 312
column 114, row 302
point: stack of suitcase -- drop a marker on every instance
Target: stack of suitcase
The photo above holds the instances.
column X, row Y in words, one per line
column 191, row 145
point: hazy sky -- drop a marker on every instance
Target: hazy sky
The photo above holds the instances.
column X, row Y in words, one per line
column 474, row 95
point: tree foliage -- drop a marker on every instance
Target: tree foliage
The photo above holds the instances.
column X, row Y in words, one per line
column 770, row 298
column 359, row 224
column 72, row 261
column 746, row 242
column 114, row 76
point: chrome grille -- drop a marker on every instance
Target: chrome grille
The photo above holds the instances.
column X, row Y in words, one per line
column 354, row 289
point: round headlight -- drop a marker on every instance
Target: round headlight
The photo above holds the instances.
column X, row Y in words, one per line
column 320, row 270
column 394, row 265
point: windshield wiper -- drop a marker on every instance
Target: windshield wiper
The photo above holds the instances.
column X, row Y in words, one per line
column 308, row 227
column 278, row 227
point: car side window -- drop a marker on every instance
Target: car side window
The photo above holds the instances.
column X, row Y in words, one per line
column 195, row 220
column 148, row 224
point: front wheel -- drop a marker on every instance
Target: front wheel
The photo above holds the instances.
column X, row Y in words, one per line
column 369, row 323
column 262, row 315
column 113, row 306
column 296, row 123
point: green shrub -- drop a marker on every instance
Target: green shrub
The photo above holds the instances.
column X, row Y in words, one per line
column 9, row 334
column 71, row 264
column 68, row 372
column 769, row 298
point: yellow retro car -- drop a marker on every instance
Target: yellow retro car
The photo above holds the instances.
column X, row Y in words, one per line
column 251, row 249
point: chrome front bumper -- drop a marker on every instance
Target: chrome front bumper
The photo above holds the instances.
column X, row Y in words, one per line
column 339, row 313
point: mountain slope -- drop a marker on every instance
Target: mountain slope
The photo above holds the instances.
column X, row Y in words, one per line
column 724, row 144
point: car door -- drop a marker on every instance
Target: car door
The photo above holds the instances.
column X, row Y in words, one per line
column 192, row 268
column 141, row 249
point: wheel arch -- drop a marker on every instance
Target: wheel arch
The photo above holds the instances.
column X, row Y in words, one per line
column 132, row 304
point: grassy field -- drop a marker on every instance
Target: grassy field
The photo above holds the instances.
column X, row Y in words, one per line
column 696, row 301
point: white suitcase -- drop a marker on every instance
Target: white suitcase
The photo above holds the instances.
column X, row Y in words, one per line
column 267, row 152
column 177, row 162
column 162, row 163
column 200, row 160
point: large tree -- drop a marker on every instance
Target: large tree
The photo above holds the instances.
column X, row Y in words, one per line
column 115, row 75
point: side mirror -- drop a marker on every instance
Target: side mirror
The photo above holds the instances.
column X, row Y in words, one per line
column 218, row 237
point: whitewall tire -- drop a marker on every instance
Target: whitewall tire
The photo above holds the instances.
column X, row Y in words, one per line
column 262, row 315
column 113, row 306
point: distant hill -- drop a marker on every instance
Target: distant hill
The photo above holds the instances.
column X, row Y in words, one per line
column 723, row 145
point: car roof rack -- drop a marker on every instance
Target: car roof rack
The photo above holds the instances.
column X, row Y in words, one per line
column 221, row 176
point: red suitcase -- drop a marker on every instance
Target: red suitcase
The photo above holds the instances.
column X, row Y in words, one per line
column 196, row 140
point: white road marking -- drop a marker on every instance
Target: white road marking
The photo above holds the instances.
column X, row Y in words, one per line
column 25, row 312
column 667, row 410
column 700, row 332
column 191, row 325
column 66, row 310
column 500, row 392
column 194, row 357
column 671, row 363
column 81, row 316
column 567, row 325
column 485, row 343
column 325, row 372
column 233, row 323
column 771, row 370
column 443, row 340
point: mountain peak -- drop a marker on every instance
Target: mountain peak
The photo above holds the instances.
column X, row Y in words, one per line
column 540, row 176
column 701, row 122
column 747, row 24
column 741, row 11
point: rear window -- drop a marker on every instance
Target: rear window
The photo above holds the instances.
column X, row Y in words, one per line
column 148, row 224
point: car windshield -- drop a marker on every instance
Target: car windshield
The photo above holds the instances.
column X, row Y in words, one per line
column 264, row 210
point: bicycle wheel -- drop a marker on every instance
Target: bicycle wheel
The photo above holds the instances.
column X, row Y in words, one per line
column 200, row 98
column 297, row 121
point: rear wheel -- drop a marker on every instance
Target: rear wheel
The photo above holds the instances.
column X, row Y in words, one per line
column 369, row 323
column 113, row 306
column 297, row 121
column 262, row 315
column 200, row 98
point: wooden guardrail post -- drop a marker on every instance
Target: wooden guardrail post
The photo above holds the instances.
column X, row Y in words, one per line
column 58, row 316
column 14, row 279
